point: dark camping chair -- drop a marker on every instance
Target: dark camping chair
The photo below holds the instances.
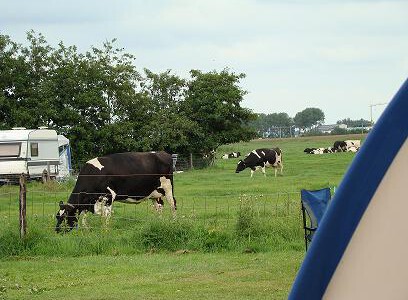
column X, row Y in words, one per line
column 314, row 204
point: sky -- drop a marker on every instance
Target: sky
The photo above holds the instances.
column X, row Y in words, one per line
column 337, row 55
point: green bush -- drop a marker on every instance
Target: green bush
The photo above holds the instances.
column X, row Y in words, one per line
column 248, row 224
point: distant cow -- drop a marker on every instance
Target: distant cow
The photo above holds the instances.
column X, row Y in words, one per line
column 352, row 143
column 319, row 150
column 231, row 155
column 328, row 150
column 309, row 150
column 340, row 146
column 260, row 159
column 125, row 177
column 352, row 149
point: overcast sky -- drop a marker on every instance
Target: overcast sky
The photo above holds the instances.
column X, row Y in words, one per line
column 340, row 55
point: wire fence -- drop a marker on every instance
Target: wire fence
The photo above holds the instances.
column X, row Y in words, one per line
column 215, row 211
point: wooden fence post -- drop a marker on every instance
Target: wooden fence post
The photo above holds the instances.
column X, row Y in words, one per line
column 23, row 205
column 191, row 161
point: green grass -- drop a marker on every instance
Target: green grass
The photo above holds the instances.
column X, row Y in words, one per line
column 241, row 236
column 151, row 276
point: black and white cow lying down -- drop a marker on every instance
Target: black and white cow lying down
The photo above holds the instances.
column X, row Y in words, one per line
column 319, row 150
column 231, row 155
column 260, row 159
column 125, row 177
column 347, row 146
column 338, row 146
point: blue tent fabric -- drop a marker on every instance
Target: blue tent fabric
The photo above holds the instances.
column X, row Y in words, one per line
column 317, row 201
column 352, row 198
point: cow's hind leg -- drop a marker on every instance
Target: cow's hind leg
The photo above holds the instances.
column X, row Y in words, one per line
column 167, row 186
column 263, row 171
column 107, row 208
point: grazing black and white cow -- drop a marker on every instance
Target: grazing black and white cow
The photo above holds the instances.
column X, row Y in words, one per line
column 125, row 177
column 231, row 155
column 260, row 159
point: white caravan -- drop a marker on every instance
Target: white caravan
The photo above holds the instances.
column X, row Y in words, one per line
column 31, row 151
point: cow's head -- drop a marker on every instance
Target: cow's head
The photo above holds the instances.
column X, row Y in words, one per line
column 67, row 212
column 240, row 166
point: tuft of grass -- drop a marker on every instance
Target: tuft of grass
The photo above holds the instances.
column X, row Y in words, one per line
column 12, row 245
column 166, row 234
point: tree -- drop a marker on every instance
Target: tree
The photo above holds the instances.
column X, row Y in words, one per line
column 355, row 123
column 103, row 105
column 309, row 117
column 273, row 125
column 24, row 71
column 279, row 120
column 213, row 102
column 9, row 63
column 167, row 127
column 91, row 94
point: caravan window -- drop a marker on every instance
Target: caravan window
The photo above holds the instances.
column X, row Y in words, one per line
column 10, row 149
column 34, row 149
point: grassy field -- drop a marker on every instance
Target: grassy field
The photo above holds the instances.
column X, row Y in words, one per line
column 234, row 237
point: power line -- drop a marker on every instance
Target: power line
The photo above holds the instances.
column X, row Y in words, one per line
column 371, row 110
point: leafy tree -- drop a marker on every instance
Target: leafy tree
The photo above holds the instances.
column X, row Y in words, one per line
column 259, row 124
column 167, row 127
column 9, row 64
column 355, row 123
column 273, row 124
column 309, row 117
column 213, row 102
column 110, row 109
column 24, row 72
column 103, row 105
column 279, row 120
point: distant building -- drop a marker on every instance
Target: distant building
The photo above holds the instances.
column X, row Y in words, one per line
column 328, row 128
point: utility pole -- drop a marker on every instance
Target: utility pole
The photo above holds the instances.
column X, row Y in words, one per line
column 371, row 110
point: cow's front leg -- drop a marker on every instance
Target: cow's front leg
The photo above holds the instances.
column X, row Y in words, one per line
column 107, row 214
column 84, row 221
column 158, row 204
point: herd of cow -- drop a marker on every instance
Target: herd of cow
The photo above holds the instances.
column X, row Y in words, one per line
column 338, row 146
column 136, row 176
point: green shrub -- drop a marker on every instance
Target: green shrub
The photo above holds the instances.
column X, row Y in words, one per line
column 248, row 224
